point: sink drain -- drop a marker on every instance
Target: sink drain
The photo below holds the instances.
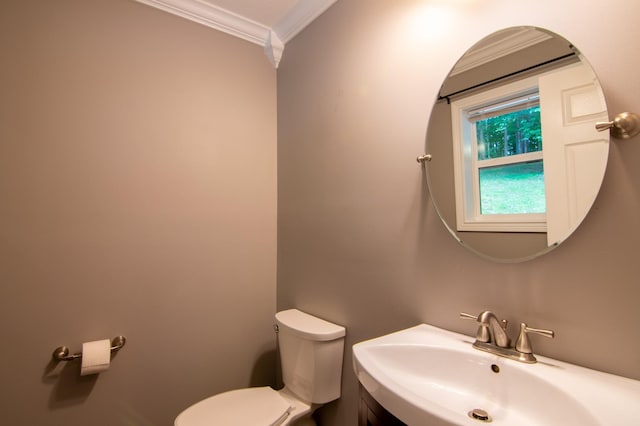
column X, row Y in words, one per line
column 480, row 414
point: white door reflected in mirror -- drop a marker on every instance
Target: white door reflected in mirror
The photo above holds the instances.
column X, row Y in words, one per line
column 575, row 153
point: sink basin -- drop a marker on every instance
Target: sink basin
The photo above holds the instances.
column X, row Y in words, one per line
column 426, row 375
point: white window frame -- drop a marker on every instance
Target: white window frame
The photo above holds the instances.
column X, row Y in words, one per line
column 466, row 165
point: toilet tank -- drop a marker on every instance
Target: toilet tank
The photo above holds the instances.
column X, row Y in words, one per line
column 311, row 351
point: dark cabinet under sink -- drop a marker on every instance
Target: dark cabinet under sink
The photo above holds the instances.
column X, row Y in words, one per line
column 371, row 413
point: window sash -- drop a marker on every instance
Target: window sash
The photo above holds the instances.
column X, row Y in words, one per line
column 504, row 106
column 465, row 113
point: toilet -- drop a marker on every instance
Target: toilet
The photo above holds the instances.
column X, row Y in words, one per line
column 311, row 351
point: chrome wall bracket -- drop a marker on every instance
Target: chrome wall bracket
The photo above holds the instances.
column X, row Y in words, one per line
column 624, row 125
column 423, row 158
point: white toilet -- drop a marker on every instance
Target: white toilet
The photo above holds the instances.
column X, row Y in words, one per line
column 311, row 351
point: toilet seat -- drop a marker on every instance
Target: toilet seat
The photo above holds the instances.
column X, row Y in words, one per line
column 241, row 407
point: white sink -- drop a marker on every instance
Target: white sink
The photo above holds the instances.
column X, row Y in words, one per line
column 426, row 375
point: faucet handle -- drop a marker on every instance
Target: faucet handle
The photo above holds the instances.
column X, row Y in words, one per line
column 523, row 344
column 482, row 335
column 503, row 324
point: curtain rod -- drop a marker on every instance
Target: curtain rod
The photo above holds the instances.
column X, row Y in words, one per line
column 532, row 67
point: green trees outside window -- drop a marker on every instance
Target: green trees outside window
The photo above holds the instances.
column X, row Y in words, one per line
column 517, row 187
column 514, row 133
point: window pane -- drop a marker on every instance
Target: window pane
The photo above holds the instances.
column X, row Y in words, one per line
column 513, row 133
column 512, row 189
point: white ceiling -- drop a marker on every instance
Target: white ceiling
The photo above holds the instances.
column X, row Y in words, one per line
column 269, row 23
column 267, row 13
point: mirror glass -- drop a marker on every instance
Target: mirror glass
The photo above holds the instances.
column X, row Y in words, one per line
column 516, row 161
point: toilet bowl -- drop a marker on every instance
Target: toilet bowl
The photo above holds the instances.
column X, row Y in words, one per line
column 249, row 406
column 311, row 352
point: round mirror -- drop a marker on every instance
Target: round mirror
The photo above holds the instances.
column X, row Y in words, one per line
column 516, row 160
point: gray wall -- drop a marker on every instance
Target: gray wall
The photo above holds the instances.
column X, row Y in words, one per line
column 359, row 242
column 137, row 197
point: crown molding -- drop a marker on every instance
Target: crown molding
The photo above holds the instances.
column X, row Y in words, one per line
column 272, row 39
column 298, row 17
column 498, row 47
column 214, row 17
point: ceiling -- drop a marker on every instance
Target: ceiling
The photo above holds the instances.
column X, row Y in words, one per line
column 267, row 23
column 267, row 13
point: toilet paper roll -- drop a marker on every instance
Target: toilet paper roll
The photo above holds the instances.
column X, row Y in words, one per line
column 96, row 357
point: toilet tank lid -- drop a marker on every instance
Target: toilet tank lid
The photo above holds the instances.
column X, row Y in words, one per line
column 307, row 326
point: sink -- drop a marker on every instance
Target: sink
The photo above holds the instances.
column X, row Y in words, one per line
column 427, row 375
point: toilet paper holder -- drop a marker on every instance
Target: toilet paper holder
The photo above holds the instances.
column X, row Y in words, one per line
column 62, row 353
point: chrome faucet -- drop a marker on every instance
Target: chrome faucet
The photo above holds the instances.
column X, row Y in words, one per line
column 497, row 329
column 492, row 337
